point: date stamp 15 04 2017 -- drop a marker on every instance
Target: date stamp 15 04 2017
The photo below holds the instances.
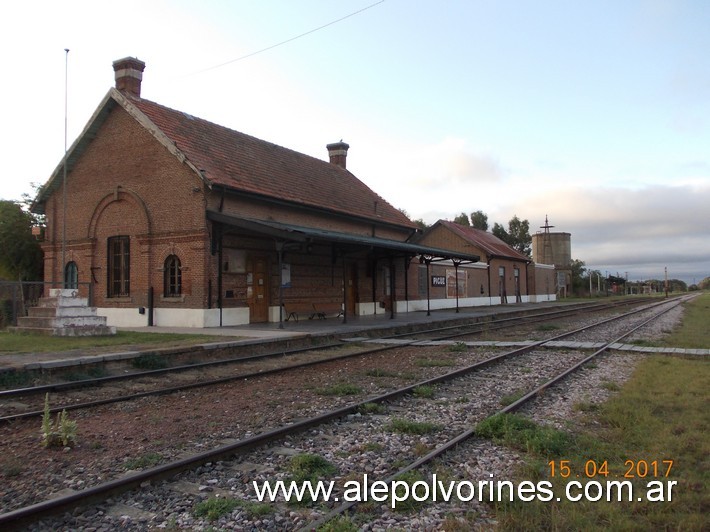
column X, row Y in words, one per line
column 595, row 469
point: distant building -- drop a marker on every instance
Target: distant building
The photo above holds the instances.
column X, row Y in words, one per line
column 554, row 248
column 503, row 274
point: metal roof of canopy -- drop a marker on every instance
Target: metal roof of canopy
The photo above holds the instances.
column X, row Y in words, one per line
column 295, row 233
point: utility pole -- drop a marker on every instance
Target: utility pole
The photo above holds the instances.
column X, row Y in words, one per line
column 64, row 180
column 666, row 279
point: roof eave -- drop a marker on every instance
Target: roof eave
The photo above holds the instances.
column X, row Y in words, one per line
column 316, row 209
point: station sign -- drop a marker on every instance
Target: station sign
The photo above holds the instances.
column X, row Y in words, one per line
column 438, row 280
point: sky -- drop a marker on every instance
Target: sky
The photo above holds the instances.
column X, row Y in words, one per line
column 593, row 114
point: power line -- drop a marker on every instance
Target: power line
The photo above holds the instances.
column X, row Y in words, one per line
column 290, row 40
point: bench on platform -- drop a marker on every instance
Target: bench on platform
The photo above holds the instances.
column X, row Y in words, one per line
column 321, row 310
column 290, row 313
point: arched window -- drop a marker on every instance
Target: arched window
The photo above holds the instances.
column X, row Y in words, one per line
column 172, row 277
column 71, row 275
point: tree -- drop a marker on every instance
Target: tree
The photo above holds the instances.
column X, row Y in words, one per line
column 499, row 231
column 580, row 280
column 21, row 257
column 517, row 236
column 519, row 231
column 422, row 224
column 462, row 219
column 479, row 220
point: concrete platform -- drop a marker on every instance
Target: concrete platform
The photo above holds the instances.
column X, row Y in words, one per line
column 363, row 328
column 265, row 333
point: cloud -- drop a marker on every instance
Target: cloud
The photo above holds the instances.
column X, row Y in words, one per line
column 619, row 229
column 453, row 162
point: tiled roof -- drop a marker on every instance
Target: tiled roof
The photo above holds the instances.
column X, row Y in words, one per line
column 487, row 242
column 244, row 163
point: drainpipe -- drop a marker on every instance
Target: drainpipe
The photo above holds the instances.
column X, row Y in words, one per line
column 392, row 288
column 345, row 291
column 150, row 306
column 406, row 282
column 490, row 303
column 280, row 251
column 374, row 285
column 219, row 274
column 456, row 273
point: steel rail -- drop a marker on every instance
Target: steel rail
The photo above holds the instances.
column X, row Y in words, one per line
column 99, row 381
column 469, row 433
column 224, row 380
column 505, row 322
column 84, row 383
column 22, row 516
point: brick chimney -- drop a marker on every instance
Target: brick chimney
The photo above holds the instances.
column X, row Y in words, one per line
column 129, row 74
column 338, row 152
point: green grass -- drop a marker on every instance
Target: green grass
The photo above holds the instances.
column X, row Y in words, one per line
column 659, row 414
column 694, row 332
column 511, row 398
column 458, row 347
column 424, row 391
column 523, row 434
column 405, row 426
column 15, row 343
column 142, row 462
column 434, row 362
column 371, row 408
column 410, row 504
column 308, row 467
column 215, row 507
column 339, row 524
column 256, row 509
column 340, row 389
column 377, row 372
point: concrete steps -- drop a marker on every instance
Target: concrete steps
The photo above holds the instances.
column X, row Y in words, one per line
column 64, row 314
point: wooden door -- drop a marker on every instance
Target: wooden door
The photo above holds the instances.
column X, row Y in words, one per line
column 258, row 289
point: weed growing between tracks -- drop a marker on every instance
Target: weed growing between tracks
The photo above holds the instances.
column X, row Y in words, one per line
column 215, row 507
column 435, row 362
column 340, row 390
column 62, row 433
column 419, row 428
column 308, row 467
column 659, row 414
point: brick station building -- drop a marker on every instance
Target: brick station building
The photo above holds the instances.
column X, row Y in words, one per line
column 172, row 220
column 502, row 275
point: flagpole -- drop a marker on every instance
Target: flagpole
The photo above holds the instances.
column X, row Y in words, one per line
column 64, row 180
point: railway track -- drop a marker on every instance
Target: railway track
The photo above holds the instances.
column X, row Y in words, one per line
column 28, row 402
column 34, row 512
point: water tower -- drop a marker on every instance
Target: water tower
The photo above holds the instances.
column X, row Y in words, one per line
column 554, row 248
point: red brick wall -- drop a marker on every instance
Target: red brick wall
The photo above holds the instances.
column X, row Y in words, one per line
column 442, row 237
column 126, row 183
